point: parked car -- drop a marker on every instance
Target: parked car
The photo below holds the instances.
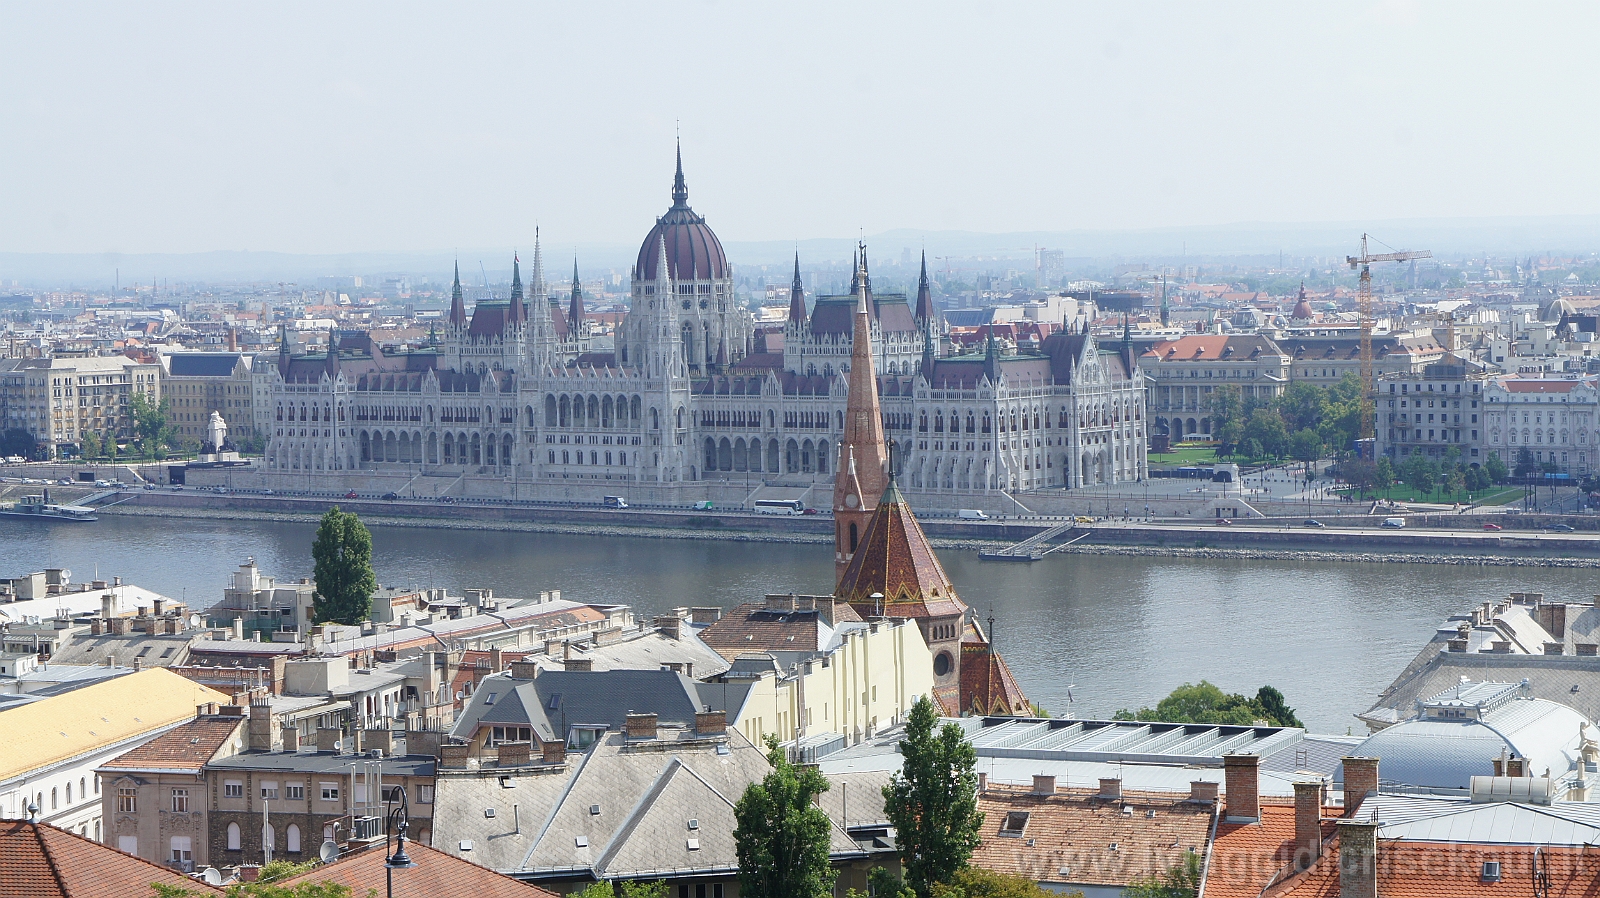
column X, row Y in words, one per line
column 1313, row 523
column 1224, row 522
column 1564, row 528
column 1083, row 519
column 390, row 497
column 811, row 511
column 1394, row 523
column 1493, row 527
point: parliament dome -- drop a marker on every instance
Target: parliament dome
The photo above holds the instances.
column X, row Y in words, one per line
column 693, row 251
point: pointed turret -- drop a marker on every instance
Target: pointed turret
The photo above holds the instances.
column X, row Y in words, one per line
column 575, row 307
column 458, row 307
column 855, row 271
column 797, row 296
column 924, row 297
column 991, row 356
column 680, row 189
column 857, row 487
column 517, row 314
column 331, row 363
column 1127, row 345
column 283, row 351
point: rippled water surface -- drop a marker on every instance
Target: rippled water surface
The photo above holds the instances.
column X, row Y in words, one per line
column 1120, row 631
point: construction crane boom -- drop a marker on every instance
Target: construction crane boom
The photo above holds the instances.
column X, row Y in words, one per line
column 1363, row 262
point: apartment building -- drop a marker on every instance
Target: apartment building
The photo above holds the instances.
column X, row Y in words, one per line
column 59, row 400
column 1553, row 419
column 1433, row 411
column 1183, row 375
column 199, row 383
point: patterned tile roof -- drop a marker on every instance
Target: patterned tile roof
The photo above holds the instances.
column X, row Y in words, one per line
column 187, row 747
column 755, row 627
column 41, row 861
column 1246, row 856
column 895, row 559
column 1076, row 837
column 987, row 684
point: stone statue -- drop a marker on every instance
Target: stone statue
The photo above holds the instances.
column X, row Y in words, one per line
column 216, row 434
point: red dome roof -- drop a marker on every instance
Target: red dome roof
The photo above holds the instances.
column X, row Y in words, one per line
column 693, row 252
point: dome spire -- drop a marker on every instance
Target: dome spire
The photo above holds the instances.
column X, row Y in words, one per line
column 680, row 190
column 515, row 314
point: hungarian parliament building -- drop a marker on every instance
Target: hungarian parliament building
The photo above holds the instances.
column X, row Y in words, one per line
column 515, row 400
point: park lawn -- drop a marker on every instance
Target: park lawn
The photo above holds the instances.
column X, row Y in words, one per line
column 1197, row 455
column 1501, row 495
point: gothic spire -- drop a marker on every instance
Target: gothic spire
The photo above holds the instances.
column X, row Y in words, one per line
column 991, row 356
column 517, row 313
column 855, row 271
column 458, row 308
column 924, row 297
column 575, row 309
column 797, row 296
column 680, row 190
column 331, row 363
column 862, row 481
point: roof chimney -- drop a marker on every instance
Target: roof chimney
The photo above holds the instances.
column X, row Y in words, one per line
column 1203, row 792
column 1044, row 785
column 1110, row 788
column 1358, row 859
column 711, row 723
column 1241, row 790
column 641, row 725
column 1307, row 823
column 522, row 670
column 1360, row 780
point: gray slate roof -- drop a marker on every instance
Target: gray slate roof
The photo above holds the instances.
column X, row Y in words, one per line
column 557, row 700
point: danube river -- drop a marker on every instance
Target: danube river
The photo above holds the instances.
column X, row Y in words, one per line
column 1119, row 631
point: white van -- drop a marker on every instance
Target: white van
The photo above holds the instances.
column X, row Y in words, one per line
column 1395, row 523
column 971, row 514
column 614, row 502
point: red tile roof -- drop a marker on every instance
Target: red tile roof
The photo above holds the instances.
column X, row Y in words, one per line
column 1246, row 856
column 1455, row 870
column 38, row 860
column 188, row 747
column 895, row 559
column 1540, row 386
column 435, row 874
column 1076, row 837
column 987, row 684
column 754, row 627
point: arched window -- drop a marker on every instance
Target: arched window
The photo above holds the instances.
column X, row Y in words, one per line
column 233, row 837
column 292, row 839
column 852, row 537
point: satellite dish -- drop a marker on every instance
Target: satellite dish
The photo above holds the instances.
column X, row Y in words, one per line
column 330, row 851
column 212, row 876
column 66, row 576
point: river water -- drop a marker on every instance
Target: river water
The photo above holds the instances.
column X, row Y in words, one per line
column 1119, row 631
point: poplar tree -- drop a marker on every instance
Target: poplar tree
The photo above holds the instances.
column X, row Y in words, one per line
column 782, row 837
column 933, row 800
column 345, row 582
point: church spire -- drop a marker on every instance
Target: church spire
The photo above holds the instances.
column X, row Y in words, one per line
column 860, row 483
column 797, row 296
column 458, row 308
column 517, row 313
column 575, row 308
column 680, row 189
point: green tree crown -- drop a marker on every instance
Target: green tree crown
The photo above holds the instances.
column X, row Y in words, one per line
column 342, row 556
column 781, row 837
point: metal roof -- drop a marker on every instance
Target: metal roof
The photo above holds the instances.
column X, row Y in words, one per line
column 1433, row 819
column 1122, row 740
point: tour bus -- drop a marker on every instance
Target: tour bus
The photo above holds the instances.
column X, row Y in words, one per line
column 780, row 506
column 614, row 502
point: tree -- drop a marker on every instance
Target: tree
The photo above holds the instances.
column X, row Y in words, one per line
column 1360, row 473
column 1266, row 427
column 1225, row 407
column 1495, row 467
column 640, row 889
column 150, row 424
column 1525, row 463
column 1305, row 445
column 326, row 888
column 90, row 444
column 1180, row 881
column 16, row 441
column 1419, row 473
column 1301, row 405
column 1384, row 474
column 274, row 871
column 596, row 890
column 342, row 554
column 976, row 882
column 781, row 837
column 1205, row 703
column 933, row 800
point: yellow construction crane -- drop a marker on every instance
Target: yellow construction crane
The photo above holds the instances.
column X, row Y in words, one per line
column 1364, row 305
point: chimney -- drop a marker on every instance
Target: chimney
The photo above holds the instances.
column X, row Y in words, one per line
column 97, row 626
column 1307, row 823
column 552, row 646
column 641, row 726
column 711, row 723
column 983, row 781
column 1552, row 616
column 249, row 872
column 1110, row 788
column 259, row 730
column 554, row 752
column 1458, row 644
column 496, row 660
column 1588, row 648
column 1043, row 785
column 327, row 739
column 238, row 628
column 1499, row 766
column 291, row 737
column 454, row 756
column 512, row 754
column 108, row 606
column 523, row 670
column 670, row 625
column 705, row 615
column 1241, row 790
column 1516, row 767
column 156, row 606
column 1203, row 792
column 579, row 664
column 1358, row 859
column 1360, row 779
column 381, row 739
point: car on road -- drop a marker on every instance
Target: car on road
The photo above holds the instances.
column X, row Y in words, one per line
column 811, row 511
column 1083, row 519
column 351, row 495
column 266, row 492
column 1313, row 523
column 1224, row 522
column 390, row 497
column 1493, row 527
column 1563, row 528
column 1394, row 523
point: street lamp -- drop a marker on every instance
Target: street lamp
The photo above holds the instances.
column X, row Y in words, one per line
column 396, row 821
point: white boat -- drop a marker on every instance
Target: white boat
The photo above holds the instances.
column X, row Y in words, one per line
column 42, row 507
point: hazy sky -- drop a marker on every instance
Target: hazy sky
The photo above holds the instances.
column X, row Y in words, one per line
column 339, row 128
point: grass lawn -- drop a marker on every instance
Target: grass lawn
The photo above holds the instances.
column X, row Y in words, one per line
column 1198, row 455
column 1500, row 495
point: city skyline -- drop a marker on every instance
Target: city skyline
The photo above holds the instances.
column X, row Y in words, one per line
column 341, row 131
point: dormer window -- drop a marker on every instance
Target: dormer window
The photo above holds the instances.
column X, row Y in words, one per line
column 1014, row 824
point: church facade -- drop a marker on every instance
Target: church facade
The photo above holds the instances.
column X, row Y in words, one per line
column 516, row 398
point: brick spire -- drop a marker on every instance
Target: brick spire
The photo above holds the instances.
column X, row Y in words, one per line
column 860, row 479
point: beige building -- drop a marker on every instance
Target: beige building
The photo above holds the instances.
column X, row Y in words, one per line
column 1183, row 375
column 154, row 797
column 59, row 400
column 199, row 383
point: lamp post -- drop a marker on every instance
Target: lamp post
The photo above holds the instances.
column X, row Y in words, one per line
column 397, row 821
